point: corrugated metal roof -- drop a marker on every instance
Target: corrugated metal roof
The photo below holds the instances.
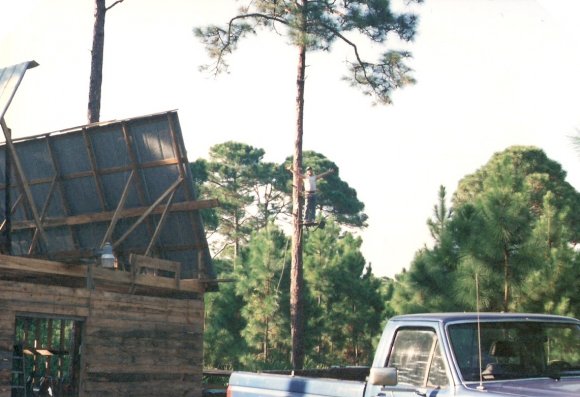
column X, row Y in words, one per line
column 10, row 78
column 108, row 181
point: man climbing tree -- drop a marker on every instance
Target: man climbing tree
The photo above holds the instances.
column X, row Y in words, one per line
column 309, row 182
column 311, row 26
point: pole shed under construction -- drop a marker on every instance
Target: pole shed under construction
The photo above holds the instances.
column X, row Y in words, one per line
column 104, row 261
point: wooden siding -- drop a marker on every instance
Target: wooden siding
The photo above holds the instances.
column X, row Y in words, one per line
column 132, row 345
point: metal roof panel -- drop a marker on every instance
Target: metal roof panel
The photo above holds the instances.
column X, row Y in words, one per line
column 78, row 178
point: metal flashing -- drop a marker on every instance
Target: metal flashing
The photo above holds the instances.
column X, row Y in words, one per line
column 10, row 78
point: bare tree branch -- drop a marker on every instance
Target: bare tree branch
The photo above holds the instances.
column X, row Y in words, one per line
column 113, row 5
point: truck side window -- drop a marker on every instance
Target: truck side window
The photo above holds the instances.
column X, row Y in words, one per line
column 417, row 356
column 437, row 375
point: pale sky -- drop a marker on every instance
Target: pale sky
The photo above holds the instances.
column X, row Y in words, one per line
column 490, row 74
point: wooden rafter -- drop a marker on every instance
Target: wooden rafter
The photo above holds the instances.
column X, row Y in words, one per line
column 148, row 212
column 178, row 154
column 107, row 216
column 42, row 215
column 139, row 183
column 44, row 268
column 118, row 210
column 22, row 179
column 12, row 209
column 94, row 172
column 160, row 224
column 58, row 175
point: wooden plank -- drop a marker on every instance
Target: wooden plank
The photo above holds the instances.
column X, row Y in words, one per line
column 145, row 354
column 120, row 206
column 40, row 266
column 51, row 268
column 107, row 386
column 94, row 169
column 9, row 287
column 154, row 263
column 152, row 368
column 50, row 310
column 141, row 262
column 139, row 182
column 183, row 206
column 102, row 171
column 142, row 299
column 144, row 309
column 105, row 333
column 22, row 179
column 101, row 315
column 34, row 242
column 148, row 212
column 159, row 228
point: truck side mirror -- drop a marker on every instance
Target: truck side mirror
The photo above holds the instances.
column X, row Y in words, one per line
column 383, row 376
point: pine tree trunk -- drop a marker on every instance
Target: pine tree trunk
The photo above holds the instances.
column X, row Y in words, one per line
column 507, row 280
column 96, row 79
column 296, row 272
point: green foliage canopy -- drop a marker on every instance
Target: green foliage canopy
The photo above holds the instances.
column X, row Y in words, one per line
column 514, row 224
column 317, row 26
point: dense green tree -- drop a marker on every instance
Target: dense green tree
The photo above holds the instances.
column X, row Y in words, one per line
column 262, row 284
column 335, row 198
column 223, row 344
column 505, row 225
column 508, row 198
column 426, row 286
column 200, row 176
column 532, row 173
column 236, row 174
column 316, row 26
column 553, row 287
column 253, row 193
column 350, row 306
column 513, row 228
column 441, row 216
column 247, row 321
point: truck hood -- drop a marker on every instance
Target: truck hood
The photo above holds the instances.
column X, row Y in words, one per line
column 565, row 387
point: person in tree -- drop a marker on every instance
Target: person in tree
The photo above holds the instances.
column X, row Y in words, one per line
column 309, row 182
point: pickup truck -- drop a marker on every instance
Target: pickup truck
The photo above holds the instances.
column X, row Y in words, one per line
column 450, row 354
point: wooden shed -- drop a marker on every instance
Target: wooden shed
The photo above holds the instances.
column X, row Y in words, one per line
column 104, row 261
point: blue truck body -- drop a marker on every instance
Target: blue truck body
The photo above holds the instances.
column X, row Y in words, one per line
column 446, row 354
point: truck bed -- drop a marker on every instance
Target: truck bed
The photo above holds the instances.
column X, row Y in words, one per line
column 303, row 382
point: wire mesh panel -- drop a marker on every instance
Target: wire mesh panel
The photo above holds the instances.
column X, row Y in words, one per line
column 112, row 181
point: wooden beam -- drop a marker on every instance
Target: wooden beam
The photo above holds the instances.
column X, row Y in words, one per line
column 159, row 225
column 42, row 215
column 40, row 267
column 107, row 216
column 101, row 172
column 94, row 169
column 147, row 212
column 12, row 209
column 141, row 262
column 22, row 179
column 119, row 208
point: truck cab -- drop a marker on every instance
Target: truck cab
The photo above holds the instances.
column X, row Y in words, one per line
column 465, row 354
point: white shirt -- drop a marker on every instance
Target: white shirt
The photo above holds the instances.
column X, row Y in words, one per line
column 310, row 183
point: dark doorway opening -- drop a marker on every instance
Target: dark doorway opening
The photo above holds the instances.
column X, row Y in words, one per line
column 46, row 358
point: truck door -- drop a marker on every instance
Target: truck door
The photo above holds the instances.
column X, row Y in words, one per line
column 421, row 367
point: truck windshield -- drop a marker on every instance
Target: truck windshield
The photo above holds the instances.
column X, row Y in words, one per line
column 516, row 350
